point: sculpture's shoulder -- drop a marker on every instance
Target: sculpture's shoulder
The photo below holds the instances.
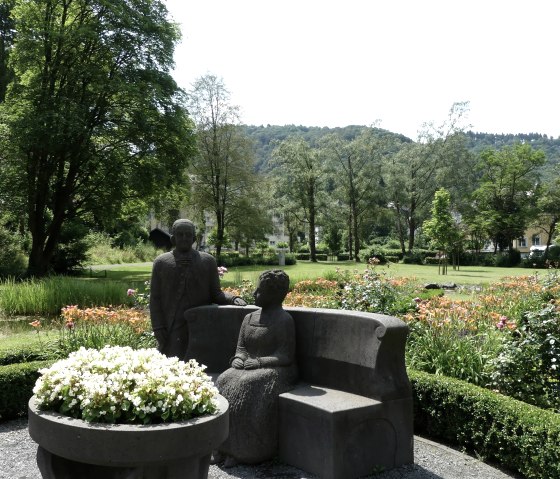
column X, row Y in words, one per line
column 283, row 316
column 165, row 259
column 206, row 258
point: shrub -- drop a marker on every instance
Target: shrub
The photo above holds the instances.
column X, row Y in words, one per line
column 516, row 435
column 98, row 327
column 528, row 365
column 375, row 293
column 28, row 353
column 102, row 250
column 12, row 257
column 432, row 261
column 374, row 252
column 16, row 386
column 71, row 252
column 509, row 259
column 231, row 260
column 553, row 253
column 451, row 338
column 413, row 258
column 244, row 290
column 307, row 257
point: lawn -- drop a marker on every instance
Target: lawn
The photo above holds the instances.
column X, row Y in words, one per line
column 466, row 275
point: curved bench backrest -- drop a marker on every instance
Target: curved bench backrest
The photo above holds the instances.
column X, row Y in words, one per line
column 361, row 353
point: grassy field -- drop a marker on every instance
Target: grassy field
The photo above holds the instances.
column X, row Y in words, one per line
column 466, row 275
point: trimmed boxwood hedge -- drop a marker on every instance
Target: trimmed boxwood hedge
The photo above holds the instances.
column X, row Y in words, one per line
column 16, row 386
column 230, row 260
column 499, row 429
column 27, row 353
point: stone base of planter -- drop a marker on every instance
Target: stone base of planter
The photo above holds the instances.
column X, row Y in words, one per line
column 71, row 448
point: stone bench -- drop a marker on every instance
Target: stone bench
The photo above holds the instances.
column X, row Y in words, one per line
column 351, row 413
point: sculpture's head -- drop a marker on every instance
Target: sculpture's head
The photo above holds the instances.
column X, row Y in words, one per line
column 272, row 288
column 183, row 235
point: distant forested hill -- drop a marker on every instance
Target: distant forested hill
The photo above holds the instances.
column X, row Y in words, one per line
column 477, row 142
column 265, row 137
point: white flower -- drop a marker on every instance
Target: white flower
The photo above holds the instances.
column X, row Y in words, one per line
column 103, row 385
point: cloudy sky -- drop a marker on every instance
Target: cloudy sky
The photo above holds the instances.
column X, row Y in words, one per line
column 400, row 63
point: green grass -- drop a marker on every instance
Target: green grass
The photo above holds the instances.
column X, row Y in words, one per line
column 466, row 275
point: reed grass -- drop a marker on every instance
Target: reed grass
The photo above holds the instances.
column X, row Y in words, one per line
column 47, row 297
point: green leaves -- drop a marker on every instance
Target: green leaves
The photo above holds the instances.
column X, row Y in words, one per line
column 92, row 117
column 508, row 191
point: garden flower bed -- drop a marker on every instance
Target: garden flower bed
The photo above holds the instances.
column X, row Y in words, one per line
column 504, row 338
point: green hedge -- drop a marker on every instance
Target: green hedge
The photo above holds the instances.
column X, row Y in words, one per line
column 519, row 436
column 230, row 261
column 499, row 429
column 16, row 386
column 23, row 354
column 307, row 256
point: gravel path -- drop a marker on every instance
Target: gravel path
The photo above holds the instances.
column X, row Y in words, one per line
column 432, row 461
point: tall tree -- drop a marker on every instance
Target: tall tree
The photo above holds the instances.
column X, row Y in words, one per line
column 356, row 165
column 441, row 227
column 7, row 30
column 223, row 173
column 548, row 209
column 508, row 191
column 300, row 174
column 92, row 117
column 417, row 170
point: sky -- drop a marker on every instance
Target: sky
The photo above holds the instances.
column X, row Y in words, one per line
column 396, row 64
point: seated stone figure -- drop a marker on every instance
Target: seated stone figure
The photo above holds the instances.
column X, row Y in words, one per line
column 263, row 367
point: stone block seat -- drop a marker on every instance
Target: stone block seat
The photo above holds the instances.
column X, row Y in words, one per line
column 351, row 413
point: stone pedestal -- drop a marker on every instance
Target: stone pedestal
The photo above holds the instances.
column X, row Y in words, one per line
column 72, row 448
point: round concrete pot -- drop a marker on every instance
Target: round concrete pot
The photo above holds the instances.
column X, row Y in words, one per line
column 71, row 448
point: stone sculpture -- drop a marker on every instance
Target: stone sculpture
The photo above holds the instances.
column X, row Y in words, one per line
column 263, row 367
column 182, row 279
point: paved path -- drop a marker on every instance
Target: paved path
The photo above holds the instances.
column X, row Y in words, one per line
column 431, row 461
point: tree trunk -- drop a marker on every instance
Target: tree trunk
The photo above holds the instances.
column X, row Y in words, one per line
column 400, row 228
column 551, row 231
column 312, row 213
column 42, row 250
column 312, row 245
column 350, row 238
column 411, row 231
column 354, row 219
column 38, row 263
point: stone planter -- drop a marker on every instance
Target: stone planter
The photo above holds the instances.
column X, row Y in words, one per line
column 72, row 448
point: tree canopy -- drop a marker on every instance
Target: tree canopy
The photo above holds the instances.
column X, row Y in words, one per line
column 92, row 117
column 222, row 172
column 508, row 191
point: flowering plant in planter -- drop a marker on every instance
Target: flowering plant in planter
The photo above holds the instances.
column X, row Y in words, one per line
column 121, row 385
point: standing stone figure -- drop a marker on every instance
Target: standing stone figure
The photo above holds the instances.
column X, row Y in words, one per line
column 263, row 367
column 181, row 279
